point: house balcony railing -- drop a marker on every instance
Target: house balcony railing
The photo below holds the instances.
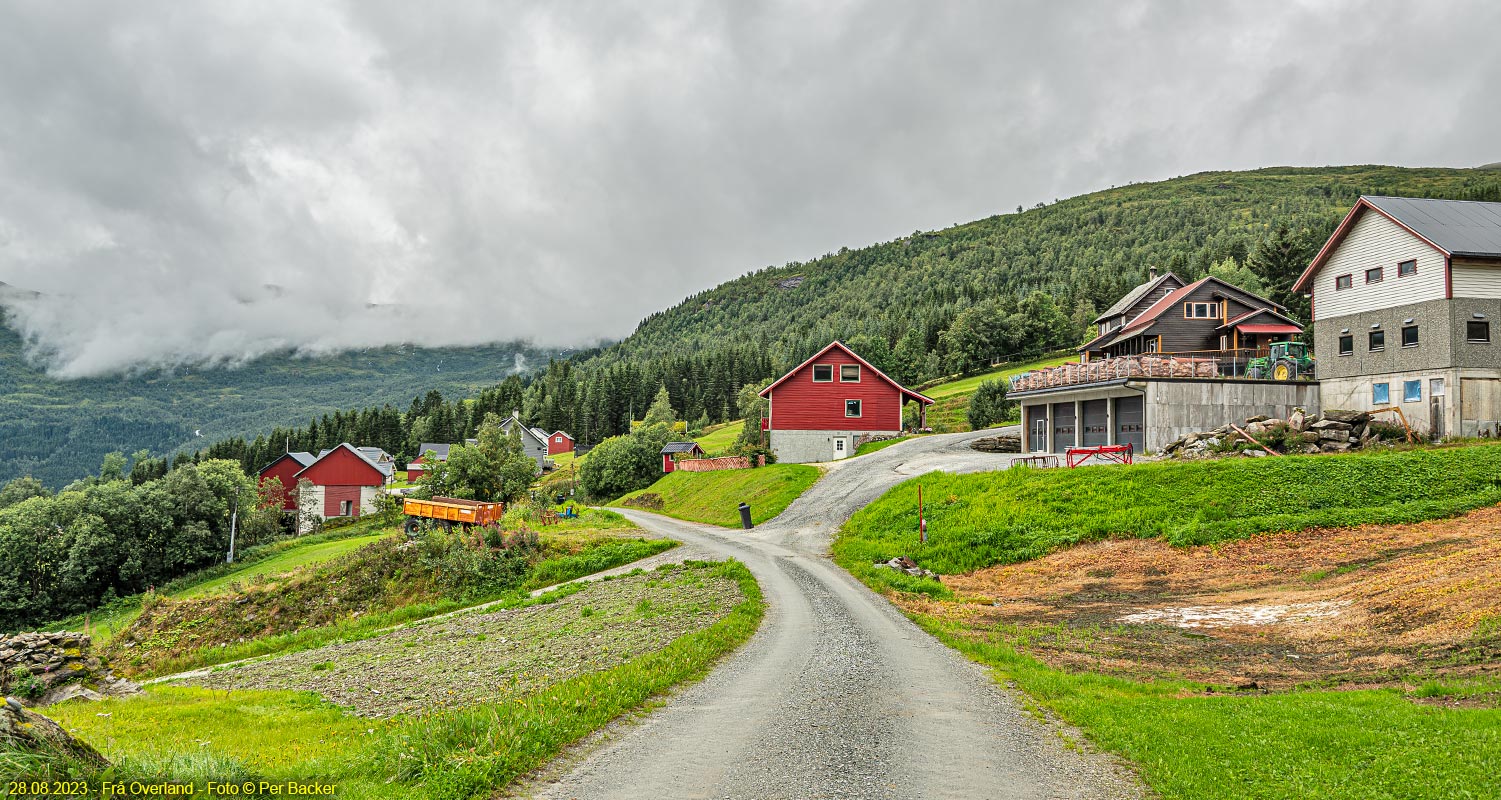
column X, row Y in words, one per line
column 1202, row 364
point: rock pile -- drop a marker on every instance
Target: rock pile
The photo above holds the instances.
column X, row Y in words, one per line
column 47, row 668
column 910, row 567
column 31, row 732
column 1337, row 431
column 1005, row 443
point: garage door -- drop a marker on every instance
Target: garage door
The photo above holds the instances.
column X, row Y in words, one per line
column 1063, row 426
column 1037, row 428
column 1130, row 423
column 1096, row 422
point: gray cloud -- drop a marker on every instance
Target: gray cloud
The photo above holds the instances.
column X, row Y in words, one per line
column 191, row 183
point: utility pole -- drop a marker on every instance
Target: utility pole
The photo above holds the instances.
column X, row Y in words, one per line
column 234, row 516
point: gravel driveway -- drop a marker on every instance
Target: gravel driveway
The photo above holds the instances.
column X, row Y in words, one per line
column 838, row 695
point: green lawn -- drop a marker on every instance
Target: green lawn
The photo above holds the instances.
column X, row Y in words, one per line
column 978, row 520
column 280, row 564
column 950, row 411
column 714, row 497
column 967, row 386
column 871, row 447
column 1191, row 745
column 272, row 559
column 197, row 735
column 718, row 438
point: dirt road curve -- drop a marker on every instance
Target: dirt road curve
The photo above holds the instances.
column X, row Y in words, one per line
column 838, row 695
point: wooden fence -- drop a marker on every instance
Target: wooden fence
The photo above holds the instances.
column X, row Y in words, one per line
column 713, row 464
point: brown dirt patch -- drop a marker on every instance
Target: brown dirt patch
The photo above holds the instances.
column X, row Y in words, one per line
column 1365, row 604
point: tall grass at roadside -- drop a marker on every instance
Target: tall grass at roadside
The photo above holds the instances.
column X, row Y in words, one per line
column 975, row 521
column 555, row 570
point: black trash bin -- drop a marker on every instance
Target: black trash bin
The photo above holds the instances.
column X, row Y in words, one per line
column 745, row 517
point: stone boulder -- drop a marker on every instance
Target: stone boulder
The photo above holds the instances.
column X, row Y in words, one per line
column 1351, row 418
column 61, row 666
column 1004, row 443
column 31, row 732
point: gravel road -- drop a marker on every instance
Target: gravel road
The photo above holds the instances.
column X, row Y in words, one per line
column 838, row 695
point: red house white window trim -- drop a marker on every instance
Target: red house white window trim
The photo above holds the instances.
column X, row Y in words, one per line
column 829, row 368
column 857, row 405
column 844, row 372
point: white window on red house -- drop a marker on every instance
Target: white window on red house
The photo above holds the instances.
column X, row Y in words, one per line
column 852, row 408
column 823, row 373
column 849, row 373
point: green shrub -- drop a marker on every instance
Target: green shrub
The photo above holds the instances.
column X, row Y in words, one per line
column 22, row 683
column 988, row 405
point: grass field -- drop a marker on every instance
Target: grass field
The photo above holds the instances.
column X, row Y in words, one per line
column 718, row 438
column 948, row 413
column 1189, row 743
column 271, row 559
column 196, row 735
column 990, row 518
column 714, row 497
column 280, row 564
column 1418, row 737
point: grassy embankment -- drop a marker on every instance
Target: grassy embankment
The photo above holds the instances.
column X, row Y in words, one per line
column 714, row 497
column 1189, row 740
column 950, row 409
column 872, row 447
column 271, row 559
column 717, row 439
column 361, row 594
column 452, row 753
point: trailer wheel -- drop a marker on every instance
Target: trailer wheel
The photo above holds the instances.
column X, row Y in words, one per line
column 412, row 526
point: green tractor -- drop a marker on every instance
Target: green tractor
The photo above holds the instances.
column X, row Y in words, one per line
column 1284, row 361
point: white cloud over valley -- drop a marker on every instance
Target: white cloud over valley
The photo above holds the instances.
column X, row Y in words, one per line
column 202, row 182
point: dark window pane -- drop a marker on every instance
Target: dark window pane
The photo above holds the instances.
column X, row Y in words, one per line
column 1407, row 268
column 1346, row 345
column 1410, row 336
column 852, row 408
column 1342, row 282
column 1373, row 275
column 823, row 373
column 1478, row 331
column 1378, row 340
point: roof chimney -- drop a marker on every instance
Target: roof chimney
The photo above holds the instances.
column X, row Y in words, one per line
column 1151, row 273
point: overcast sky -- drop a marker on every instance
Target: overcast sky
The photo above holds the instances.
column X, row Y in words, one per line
column 190, row 182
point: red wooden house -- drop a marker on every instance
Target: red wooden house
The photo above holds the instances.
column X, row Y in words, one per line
column 285, row 469
column 821, row 409
column 345, row 482
column 559, row 442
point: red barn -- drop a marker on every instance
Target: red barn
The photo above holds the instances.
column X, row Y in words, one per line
column 285, row 469
column 559, row 442
column 345, row 482
column 819, row 411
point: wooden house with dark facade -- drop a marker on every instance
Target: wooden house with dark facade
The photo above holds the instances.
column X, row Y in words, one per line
column 1170, row 358
column 1207, row 316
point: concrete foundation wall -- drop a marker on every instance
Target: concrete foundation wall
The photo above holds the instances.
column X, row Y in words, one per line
column 805, row 447
column 1469, row 405
column 1176, row 408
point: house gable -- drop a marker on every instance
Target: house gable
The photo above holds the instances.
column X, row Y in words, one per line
column 798, row 402
column 342, row 466
column 1369, row 239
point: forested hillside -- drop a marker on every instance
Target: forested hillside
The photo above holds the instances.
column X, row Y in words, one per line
column 58, row 430
column 933, row 303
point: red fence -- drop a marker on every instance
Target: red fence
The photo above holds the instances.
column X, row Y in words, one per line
column 714, row 464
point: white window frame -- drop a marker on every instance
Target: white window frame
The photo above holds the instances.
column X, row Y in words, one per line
column 843, row 367
column 1211, row 310
column 829, row 367
column 860, row 408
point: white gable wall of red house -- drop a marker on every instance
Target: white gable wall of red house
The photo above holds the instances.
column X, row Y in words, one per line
column 822, row 408
column 339, row 483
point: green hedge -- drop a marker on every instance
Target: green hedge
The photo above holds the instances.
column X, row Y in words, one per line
column 978, row 520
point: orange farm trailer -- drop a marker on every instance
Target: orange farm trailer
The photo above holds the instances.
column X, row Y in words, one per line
column 450, row 511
